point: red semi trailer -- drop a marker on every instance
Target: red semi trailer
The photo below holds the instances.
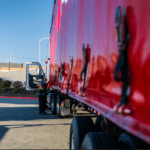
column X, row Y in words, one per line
column 99, row 60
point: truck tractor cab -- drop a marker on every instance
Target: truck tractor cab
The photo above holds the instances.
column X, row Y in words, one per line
column 34, row 75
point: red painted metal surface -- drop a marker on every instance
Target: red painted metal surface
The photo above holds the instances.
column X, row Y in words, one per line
column 93, row 22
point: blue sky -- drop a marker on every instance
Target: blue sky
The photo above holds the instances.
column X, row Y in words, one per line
column 22, row 24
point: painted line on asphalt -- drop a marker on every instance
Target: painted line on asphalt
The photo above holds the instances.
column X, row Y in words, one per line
column 35, row 98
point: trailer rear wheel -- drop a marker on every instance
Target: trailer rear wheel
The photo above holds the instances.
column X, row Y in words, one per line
column 53, row 104
column 80, row 126
column 98, row 140
column 128, row 141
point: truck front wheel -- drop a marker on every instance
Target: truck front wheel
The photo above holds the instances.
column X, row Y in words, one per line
column 53, row 104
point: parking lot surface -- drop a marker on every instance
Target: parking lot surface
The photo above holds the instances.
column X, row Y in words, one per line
column 21, row 126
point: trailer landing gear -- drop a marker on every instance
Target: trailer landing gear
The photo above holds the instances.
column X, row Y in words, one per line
column 59, row 105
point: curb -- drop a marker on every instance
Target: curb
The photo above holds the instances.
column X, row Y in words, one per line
column 35, row 98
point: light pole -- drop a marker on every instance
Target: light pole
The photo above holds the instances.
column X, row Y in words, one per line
column 39, row 45
column 46, row 59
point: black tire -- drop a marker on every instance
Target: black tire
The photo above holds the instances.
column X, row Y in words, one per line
column 80, row 126
column 98, row 140
column 53, row 104
column 58, row 105
column 42, row 103
column 128, row 141
column 50, row 95
column 98, row 123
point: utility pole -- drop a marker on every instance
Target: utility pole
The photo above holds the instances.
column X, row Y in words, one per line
column 9, row 62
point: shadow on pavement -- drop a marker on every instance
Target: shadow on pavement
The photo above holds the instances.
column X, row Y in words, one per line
column 23, row 114
column 3, row 131
column 18, row 101
column 33, row 125
column 24, row 110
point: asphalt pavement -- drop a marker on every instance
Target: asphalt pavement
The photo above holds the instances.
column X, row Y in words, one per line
column 21, row 126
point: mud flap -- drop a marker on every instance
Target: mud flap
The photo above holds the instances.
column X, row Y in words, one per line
column 42, row 102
